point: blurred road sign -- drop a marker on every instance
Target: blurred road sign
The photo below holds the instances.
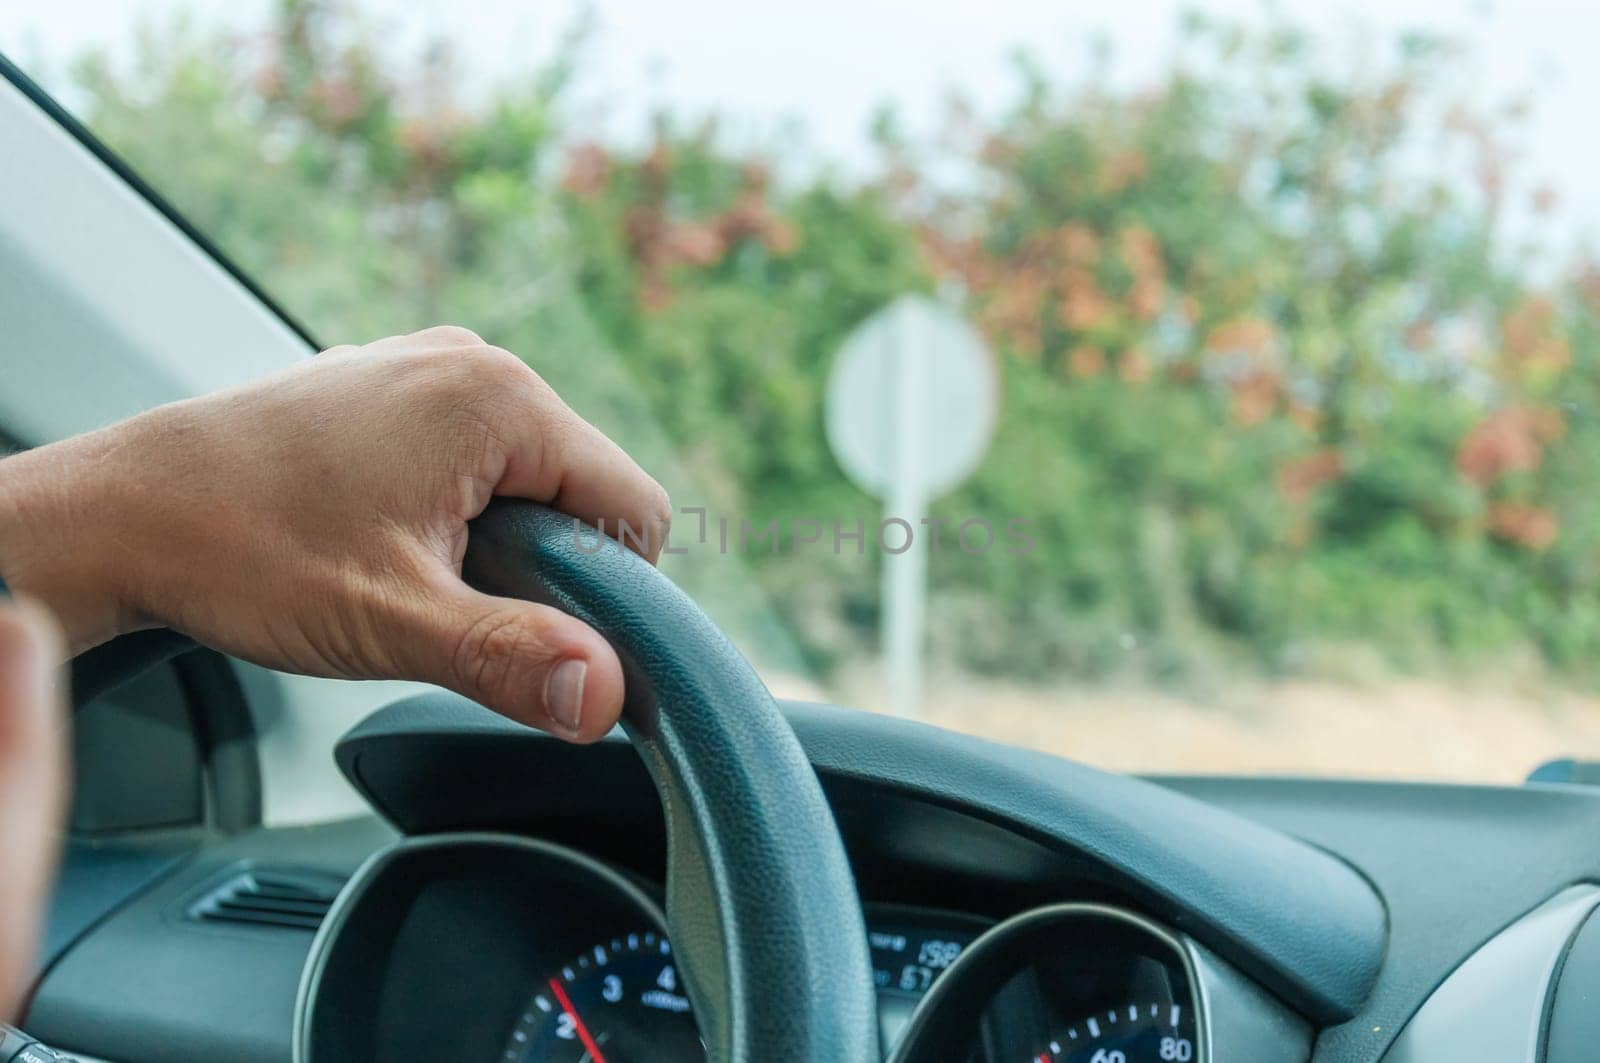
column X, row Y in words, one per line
column 910, row 407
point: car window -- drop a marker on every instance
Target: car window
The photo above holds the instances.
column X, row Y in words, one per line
column 1289, row 317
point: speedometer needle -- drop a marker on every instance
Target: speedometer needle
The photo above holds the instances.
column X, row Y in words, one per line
column 577, row 1024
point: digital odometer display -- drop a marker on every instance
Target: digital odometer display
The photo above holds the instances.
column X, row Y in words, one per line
column 908, row 956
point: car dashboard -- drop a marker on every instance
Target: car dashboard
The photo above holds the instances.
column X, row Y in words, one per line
column 506, row 903
column 561, row 958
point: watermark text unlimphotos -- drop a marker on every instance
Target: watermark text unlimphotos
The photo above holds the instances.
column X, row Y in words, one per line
column 831, row 536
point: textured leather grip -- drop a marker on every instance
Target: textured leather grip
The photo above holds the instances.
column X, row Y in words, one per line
column 761, row 904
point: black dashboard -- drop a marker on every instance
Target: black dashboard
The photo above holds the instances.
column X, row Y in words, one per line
column 562, row 959
column 1019, row 907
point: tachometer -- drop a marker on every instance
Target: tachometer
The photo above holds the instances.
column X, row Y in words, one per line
column 619, row 1002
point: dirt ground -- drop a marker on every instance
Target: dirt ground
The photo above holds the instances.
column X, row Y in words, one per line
column 1402, row 728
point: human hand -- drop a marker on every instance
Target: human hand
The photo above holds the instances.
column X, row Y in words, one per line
column 315, row 521
column 33, row 773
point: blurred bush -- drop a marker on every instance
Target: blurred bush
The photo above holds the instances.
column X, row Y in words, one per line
column 1272, row 376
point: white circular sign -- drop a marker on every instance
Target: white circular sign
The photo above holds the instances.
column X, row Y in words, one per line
column 911, row 401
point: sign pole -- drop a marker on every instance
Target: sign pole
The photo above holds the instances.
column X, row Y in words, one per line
column 905, row 574
column 911, row 402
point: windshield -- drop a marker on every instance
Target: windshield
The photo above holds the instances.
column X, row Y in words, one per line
column 1178, row 390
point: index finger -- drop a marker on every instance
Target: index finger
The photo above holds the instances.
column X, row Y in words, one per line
column 556, row 457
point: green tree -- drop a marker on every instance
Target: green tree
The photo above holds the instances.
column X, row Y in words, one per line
column 1270, row 375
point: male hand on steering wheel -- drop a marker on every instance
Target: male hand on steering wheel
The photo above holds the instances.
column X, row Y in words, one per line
column 315, row 522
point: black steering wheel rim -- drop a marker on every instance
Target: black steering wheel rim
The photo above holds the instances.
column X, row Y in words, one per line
column 761, row 903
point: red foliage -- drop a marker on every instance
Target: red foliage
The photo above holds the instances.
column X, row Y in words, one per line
column 1086, row 360
column 337, row 102
column 1532, row 338
column 1510, row 440
column 1531, row 526
column 660, row 242
column 1589, row 285
column 1250, row 336
column 588, row 170
column 1300, row 478
column 1083, row 305
column 1255, row 395
column 1134, row 366
column 1121, row 170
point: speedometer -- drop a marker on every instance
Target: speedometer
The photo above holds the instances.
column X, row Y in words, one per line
column 1156, row 1031
column 1072, row 983
column 620, row 1001
column 1089, row 1007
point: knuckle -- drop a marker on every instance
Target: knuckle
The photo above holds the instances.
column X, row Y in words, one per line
column 496, row 653
column 480, row 398
column 483, row 383
column 451, row 336
column 503, row 368
column 494, row 372
column 659, row 506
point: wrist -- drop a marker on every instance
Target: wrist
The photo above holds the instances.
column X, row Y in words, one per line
column 59, row 530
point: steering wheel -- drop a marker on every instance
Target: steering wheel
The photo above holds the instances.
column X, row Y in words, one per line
column 761, row 905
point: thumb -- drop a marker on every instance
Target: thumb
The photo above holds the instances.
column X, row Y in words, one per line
column 32, row 784
column 532, row 663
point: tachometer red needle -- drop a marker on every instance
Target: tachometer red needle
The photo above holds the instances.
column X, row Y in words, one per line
column 577, row 1023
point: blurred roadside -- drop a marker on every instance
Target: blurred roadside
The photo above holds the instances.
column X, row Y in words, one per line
column 1304, row 411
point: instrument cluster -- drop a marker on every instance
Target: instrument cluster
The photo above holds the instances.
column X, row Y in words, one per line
column 437, row 936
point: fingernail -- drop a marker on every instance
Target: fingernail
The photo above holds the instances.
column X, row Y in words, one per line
column 563, row 693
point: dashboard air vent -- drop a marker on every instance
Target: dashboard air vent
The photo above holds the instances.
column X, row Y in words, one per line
column 268, row 897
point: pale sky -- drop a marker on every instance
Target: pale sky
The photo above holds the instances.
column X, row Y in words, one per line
column 831, row 63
